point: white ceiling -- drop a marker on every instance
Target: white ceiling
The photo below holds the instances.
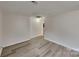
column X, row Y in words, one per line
column 43, row 8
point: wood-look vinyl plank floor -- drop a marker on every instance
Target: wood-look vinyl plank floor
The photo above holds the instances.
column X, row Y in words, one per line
column 44, row 48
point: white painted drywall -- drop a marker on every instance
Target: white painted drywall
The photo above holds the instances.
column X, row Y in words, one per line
column 16, row 28
column 64, row 29
column 0, row 27
column 0, row 32
column 36, row 28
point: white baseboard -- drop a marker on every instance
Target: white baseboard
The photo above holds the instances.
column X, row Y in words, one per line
column 26, row 39
column 61, row 44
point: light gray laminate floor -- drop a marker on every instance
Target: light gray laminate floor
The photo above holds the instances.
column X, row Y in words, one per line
column 43, row 48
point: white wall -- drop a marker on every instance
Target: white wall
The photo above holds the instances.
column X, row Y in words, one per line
column 0, row 27
column 64, row 29
column 15, row 28
column 19, row 28
column 36, row 28
column 0, row 32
